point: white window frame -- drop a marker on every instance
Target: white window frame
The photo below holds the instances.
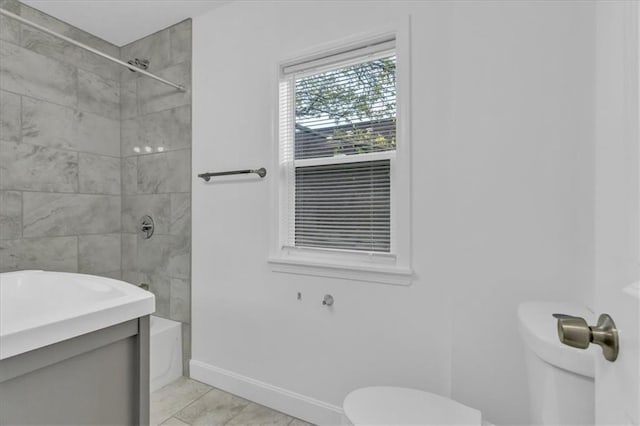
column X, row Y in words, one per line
column 385, row 268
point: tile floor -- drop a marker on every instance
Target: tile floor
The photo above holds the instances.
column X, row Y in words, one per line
column 188, row 402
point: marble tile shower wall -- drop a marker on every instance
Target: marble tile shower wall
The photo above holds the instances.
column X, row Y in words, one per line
column 60, row 183
column 87, row 148
column 156, row 172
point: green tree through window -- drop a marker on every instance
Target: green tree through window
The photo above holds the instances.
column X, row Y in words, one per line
column 350, row 110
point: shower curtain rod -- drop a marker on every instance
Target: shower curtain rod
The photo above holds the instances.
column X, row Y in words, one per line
column 90, row 49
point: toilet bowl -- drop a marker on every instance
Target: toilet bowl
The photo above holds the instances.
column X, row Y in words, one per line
column 560, row 381
column 561, row 384
column 385, row 405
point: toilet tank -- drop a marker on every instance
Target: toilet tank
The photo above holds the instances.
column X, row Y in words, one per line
column 561, row 384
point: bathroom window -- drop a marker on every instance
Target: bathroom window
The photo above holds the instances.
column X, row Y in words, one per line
column 339, row 140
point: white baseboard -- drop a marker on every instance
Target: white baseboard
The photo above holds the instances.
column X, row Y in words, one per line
column 292, row 403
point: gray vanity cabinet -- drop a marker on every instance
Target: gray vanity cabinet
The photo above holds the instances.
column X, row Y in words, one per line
column 99, row 378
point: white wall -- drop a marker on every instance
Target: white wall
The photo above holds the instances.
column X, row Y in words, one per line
column 501, row 205
column 521, row 157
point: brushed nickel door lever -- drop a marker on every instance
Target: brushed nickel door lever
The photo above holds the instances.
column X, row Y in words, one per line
column 575, row 332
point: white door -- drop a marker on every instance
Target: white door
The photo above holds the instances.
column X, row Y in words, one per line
column 617, row 199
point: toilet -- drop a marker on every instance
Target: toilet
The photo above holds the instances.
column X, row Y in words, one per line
column 561, row 383
column 386, row 405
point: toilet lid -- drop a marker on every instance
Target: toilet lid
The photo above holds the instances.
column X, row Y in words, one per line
column 383, row 405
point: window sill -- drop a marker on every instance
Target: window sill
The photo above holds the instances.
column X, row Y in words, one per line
column 387, row 274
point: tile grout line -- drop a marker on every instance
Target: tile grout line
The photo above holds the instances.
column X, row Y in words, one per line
column 249, row 403
column 187, row 404
column 75, row 108
column 146, row 114
column 83, row 152
column 35, row 191
column 76, row 78
column 123, row 184
column 43, row 16
column 190, row 404
column 238, row 413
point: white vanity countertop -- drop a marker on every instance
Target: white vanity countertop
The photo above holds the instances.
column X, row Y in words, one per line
column 39, row 308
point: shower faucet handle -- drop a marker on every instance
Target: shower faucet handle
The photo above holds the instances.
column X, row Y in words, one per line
column 147, row 226
column 575, row 332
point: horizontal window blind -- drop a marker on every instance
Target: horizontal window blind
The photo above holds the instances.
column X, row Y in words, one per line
column 344, row 206
column 344, row 112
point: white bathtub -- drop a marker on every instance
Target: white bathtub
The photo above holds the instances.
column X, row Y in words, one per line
column 166, row 352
